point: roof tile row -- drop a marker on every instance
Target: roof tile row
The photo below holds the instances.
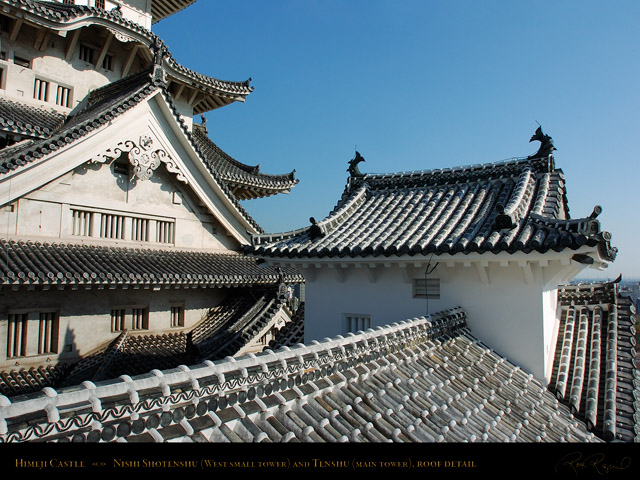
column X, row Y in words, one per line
column 511, row 206
column 53, row 264
column 424, row 380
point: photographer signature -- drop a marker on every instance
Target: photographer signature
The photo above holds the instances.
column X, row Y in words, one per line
column 576, row 462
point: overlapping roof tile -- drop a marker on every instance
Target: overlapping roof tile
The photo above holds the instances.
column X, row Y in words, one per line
column 596, row 365
column 57, row 264
column 424, row 380
column 246, row 181
column 27, row 120
column 67, row 14
column 513, row 206
column 100, row 107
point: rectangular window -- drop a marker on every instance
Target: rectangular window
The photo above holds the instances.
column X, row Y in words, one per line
column 17, row 335
column 112, row 226
column 63, row 96
column 82, row 221
column 87, row 223
column 140, row 229
column 69, row 2
column 86, row 53
column 41, row 90
column 22, row 62
column 46, row 342
column 140, row 319
column 164, row 232
column 118, row 317
column 48, row 333
column 177, row 316
column 100, row 4
column 426, row 288
column 356, row 322
column 121, row 167
column 107, row 63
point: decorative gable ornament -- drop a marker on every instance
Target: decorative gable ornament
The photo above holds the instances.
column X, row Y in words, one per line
column 144, row 157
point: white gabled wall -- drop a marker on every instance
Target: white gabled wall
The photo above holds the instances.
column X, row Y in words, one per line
column 511, row 310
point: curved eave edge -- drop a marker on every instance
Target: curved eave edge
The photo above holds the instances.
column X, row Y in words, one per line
column 250, row 225
column 86, row 16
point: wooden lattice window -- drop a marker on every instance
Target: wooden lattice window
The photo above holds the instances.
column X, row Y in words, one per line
column 45, row 326
column 426, row 288
column 356, row 322
column 17, row 335
column 41, row 90
column 118, row 317
column 177, row 316
column 63, row 96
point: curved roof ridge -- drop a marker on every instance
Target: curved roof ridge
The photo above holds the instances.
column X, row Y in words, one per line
column 63, row 13
column 537, row 163
column 28, row 120
column 86, row 118
column 200, row 133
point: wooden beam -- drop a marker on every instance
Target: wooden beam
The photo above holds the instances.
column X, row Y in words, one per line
column 104, row 50
column 71, row 43
column 45, row 39
column 129, row 61
column 527, row 270
column 483, row 272
column 15, row 29
column 372, row 274
column 39, row 38
column 178, row 94
column 338, row 271
column 407, row 272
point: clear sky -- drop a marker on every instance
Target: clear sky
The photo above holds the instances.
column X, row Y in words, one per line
column 424, row 84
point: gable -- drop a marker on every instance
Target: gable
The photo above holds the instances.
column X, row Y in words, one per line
column 149, row 136
column 158, row 211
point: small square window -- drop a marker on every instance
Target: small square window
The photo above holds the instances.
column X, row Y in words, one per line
column 22, row 62
column 107, row 62
column 41, row 90
column 426, row 288
column 86, row 53
column 356, row 322
column 63, row 96
column 177, row 316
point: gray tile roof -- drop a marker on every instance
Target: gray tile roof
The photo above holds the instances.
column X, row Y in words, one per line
column 596, row 365
column 26, row 263
column 63, row 14
column 513, row 206
column 245, row 181
column 96, row 111
column 227, row 328
column 292, row 333
column 27, row 120
column 161, row 9
column 423, row 380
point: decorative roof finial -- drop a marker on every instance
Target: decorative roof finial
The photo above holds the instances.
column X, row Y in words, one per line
column 353, row 169
column 315, row 231
column 160, row 51
column 546, row 144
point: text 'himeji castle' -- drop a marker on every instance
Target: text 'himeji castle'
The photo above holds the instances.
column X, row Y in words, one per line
column 140, row 301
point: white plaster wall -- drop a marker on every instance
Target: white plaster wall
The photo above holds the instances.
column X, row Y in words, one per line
column 513, row 317
column 51, row 64
column 46, row 212
column 85, row 315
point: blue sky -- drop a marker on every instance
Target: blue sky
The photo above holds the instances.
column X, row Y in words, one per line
column 425, row 84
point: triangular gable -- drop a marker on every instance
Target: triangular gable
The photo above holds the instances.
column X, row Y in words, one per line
column 143, row 125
